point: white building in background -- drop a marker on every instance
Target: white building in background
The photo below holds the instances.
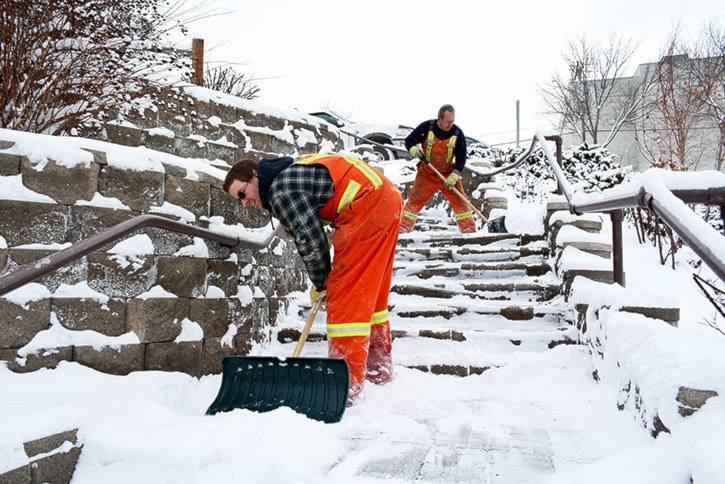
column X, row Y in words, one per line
column 632, row 141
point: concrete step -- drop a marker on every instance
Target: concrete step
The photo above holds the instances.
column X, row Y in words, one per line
column 471, row 352
column 509, row 289
column 425, row 269
column 465, row 347
column 454, row 238
column 530, row 256
column 495, row 250
column 473, row 324
column 421, row 307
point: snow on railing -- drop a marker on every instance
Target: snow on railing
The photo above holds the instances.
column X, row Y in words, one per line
column 664, row 193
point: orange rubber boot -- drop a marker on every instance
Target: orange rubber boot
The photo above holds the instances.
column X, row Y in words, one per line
column 380, row 361
column 354, row 350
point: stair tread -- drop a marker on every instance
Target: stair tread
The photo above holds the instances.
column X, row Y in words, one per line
column 523, row 293
column 479, row 349
column 472, row 265
column 444, row 281
column 477, row 308
column 463, row 303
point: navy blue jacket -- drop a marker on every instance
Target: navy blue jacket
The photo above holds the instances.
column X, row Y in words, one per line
column 420, row 133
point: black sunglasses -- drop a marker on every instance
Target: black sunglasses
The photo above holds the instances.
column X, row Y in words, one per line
column 240, row 194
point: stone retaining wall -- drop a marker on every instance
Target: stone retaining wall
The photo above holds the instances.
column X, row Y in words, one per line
column 194, row 122
column 606, row 312
column 50, row 459
column 183, row 304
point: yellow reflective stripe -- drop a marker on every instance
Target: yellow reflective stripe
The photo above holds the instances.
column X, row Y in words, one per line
column 348, row 329
column 307, row 159
column 429, row 144
column 451, row 147
column 366, row 170
column 352, row 188
column 410, row 215
column 380, row 317
column 462, row 215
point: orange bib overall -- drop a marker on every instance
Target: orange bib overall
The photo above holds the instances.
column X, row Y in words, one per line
column 365, row 213
column 427, row 183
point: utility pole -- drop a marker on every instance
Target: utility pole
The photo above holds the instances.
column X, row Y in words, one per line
column 517, row 123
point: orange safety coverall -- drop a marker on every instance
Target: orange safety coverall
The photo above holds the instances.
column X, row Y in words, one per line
column 365, row 213
column 427, row 183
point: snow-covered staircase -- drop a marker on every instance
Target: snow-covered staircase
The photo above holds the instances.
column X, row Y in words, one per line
column 462, row 303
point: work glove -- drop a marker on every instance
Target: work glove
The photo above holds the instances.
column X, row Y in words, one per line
column 417, row 152
column 452, row 179
column 316, row 294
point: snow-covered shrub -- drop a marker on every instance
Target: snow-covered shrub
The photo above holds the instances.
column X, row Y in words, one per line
column 587, row 168
column 593, row 169
column 481, row 151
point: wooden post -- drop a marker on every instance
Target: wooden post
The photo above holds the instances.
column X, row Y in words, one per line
column 197, row 61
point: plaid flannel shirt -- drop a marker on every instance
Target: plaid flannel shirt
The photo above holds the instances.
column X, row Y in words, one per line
column 295, row 198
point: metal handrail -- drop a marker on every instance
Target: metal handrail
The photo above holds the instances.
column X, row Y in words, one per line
column 54, row 261
column 709, row 251
column 668, row 204
column 521, row 158
column 686, row 224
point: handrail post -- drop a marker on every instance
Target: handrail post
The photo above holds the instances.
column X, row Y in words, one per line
column 617, row 246
column 559, row 159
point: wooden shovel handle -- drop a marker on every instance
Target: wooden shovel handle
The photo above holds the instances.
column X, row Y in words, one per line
column 306, row 329
column 460, row 195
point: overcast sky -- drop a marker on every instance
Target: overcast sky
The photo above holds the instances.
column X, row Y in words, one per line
column 398, row 61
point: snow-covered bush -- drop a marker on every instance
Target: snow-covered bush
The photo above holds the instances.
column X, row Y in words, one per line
column 481, row 151
column 593, row 169
column 587, row 168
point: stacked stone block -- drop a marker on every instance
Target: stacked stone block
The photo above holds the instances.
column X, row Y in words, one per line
column 200, row 123
column 234, row 296
column 657, row 415
column 50, row 459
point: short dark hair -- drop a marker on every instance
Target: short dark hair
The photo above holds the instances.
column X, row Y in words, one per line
column 241, row 170
column 443, row 109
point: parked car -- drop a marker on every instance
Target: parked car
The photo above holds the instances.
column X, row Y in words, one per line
column 473, row 142
column 478, row 149
column 378, row 133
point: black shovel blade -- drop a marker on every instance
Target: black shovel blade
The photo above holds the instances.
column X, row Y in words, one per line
column 497, row 225
column 315, row 387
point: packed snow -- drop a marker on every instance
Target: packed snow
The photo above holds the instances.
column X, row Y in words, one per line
column 151, row 427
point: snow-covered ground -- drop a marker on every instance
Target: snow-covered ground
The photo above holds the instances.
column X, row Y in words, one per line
column 150, row 427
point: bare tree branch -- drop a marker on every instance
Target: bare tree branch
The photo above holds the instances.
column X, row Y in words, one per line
column 708, row 68
column 64, row 62
column 671, row 135
column 596, row 88
column 226, row 79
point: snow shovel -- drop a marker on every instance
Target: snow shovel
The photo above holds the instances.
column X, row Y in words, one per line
column 315, row 387
column 495, row 226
